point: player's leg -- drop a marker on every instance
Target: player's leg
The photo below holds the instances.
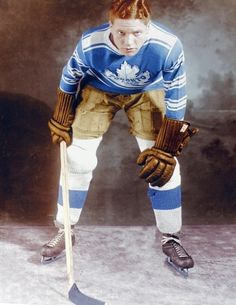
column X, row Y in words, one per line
column 93, row 117
column 146, row 118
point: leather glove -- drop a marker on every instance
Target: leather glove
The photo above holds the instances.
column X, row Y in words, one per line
column 158, row 162
column 158, row 166
column 62, row 119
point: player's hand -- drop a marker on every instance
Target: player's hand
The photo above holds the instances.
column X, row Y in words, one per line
column 60, row 133
column 158, row 166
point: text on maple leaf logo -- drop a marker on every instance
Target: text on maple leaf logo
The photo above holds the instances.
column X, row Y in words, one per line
column 128, row 76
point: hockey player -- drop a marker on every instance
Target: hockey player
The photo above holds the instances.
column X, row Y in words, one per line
column 137, row 65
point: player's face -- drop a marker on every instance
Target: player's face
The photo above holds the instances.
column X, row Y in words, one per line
column 128, row 35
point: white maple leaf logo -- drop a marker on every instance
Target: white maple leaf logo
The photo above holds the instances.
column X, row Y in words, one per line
column 128, row 76
column 127, row 72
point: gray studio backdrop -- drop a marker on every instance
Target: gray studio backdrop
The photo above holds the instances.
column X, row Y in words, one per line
column 36, row 39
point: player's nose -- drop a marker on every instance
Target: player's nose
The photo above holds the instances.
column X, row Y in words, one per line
column 128, row 40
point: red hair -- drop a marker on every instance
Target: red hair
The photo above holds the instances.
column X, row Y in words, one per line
column 130, row 9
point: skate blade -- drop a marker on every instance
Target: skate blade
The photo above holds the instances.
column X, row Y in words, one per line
column 181, row 271
column 47, row 260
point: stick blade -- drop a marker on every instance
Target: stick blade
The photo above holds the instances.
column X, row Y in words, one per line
column 78, row 298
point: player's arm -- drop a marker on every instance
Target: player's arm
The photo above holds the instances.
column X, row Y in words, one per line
column 64, row 110
column 158, row 163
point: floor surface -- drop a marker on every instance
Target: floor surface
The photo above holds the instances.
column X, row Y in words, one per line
column 120, row 265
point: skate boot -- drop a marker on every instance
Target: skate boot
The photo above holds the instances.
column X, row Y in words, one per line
column 177, row 256
column 54, row 249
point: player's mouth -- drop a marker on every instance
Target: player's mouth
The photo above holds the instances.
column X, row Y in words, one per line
column 129, row 50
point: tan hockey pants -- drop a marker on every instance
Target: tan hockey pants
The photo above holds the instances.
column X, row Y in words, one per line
column 145, row 112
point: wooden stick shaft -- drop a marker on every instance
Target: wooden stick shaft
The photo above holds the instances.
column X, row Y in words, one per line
column 66, row 212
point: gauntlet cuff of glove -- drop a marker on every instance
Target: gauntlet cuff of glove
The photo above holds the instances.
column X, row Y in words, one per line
column 64, row 109
column 173, row 136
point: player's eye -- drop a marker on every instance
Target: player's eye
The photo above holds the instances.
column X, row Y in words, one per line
column 121, row 33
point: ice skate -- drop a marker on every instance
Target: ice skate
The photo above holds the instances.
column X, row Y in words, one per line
column 177, row 256
column 55, row 248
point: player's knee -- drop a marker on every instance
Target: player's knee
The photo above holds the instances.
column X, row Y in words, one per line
column 81, row 161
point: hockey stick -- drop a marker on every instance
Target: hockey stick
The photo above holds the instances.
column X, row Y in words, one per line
column 74, row 294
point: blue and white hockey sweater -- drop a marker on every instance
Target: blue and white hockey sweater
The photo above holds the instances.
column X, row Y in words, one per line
column 159, row 64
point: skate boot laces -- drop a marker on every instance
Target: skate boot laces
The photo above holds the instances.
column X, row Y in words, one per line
column 57, row 239
column 175, row 242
